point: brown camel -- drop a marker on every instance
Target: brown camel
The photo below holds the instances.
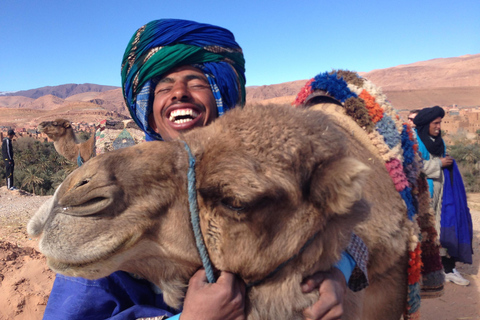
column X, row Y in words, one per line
column 109, row 135
column 65, row 140
column 279, row 192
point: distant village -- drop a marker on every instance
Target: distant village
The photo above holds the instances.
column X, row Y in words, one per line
column 457, row 120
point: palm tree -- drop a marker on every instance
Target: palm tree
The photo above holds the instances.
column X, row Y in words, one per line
column 31, row 179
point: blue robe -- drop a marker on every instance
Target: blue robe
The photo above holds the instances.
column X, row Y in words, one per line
column 118, row 296
column 456, row 231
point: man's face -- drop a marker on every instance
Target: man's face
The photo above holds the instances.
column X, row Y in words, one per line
column 435, row 127
column 411, row 116
column 183, row 100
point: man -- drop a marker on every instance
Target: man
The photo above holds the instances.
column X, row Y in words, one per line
column 178, row 75
column 7, row 153
column 432, row 148
column 411, row 116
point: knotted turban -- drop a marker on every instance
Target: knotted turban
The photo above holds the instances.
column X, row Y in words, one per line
column 427, row 115
column 422, row 120
column 162, row 45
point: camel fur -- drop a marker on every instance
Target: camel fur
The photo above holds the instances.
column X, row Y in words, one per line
column 268, row 181
column 65, row 140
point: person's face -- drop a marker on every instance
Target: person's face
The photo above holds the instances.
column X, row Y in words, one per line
column 183, row 100
column 410, row 119
column 435, row 127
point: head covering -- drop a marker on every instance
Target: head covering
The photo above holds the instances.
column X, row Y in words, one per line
column 422, row 121
column 11, row 132
column 162, row 45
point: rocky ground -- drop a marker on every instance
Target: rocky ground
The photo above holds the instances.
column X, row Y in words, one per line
column 26, row 281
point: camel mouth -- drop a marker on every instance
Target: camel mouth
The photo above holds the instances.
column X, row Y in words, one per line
column 88, row 208
column 86, row 268
column 41, row 127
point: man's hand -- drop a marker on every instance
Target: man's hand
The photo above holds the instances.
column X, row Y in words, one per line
column 332, row 288
column 447, row 161
column 223, row 300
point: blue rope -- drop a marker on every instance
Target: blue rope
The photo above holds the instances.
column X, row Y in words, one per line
column 79, row 159
column 195, row 219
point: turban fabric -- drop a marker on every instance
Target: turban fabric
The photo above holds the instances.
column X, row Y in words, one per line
column 422, row 120
column 427, row 115
column 162, row 45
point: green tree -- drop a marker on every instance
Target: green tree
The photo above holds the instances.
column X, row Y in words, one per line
column 31, row 179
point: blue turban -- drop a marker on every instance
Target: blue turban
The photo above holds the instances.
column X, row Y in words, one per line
column 162, row 45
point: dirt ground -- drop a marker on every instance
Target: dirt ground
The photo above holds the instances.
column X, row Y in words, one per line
column 26, row 281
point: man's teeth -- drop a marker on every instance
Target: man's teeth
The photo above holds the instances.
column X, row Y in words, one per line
column 182, row 115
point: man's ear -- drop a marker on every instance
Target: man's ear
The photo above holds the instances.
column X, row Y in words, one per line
column 337, row 185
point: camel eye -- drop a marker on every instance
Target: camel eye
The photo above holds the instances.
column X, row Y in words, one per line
column 54, row 123
column 232, row 204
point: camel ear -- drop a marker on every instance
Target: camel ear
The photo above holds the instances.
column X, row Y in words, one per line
column 67, row 124
column 336, row 186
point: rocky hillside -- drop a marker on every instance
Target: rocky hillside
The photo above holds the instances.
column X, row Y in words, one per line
column 443, row 82
column 62, row 91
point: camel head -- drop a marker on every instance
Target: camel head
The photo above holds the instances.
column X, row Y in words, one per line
column 56, row 129
column 273, row 185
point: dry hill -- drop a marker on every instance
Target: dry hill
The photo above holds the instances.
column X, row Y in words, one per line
column 444, row 82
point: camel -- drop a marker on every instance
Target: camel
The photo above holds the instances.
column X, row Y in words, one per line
column 279, row 192
column 108, row 136
column 65, row 140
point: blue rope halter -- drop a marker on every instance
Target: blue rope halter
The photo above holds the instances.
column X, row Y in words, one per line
column 194, row 217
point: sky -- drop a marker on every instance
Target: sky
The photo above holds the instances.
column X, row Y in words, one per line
column 52, row 42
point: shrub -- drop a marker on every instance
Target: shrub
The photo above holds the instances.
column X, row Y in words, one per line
column 39, row 168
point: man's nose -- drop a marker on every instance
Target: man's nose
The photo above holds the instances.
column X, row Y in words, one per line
column 181, row 92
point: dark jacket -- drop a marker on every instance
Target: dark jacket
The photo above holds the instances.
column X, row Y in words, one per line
column 7, row 149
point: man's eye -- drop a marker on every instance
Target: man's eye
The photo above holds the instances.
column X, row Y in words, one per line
column 162, row 90
column 200, row 86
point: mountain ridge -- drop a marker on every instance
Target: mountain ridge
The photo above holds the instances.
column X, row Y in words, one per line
column 440, row 81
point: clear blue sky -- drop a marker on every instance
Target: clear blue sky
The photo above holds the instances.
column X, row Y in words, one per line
column 53, row 42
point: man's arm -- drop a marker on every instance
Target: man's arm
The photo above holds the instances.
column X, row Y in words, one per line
column 332, row 285
column 9, row 149
column 222, row 300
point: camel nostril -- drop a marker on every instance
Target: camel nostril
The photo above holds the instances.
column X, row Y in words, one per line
column 82, row 183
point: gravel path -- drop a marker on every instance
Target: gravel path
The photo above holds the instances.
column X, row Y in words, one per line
column 16, row 208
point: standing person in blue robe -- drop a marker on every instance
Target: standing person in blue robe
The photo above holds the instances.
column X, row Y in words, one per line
column 439, row 168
